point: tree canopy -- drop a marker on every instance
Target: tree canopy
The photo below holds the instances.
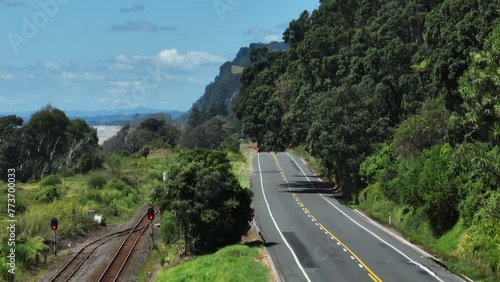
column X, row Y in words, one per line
column 206, row 201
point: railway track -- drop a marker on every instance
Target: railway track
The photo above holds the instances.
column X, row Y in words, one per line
column 73, row 265
column 117, row 264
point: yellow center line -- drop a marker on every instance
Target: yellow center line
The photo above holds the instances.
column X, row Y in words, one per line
column 371, row 274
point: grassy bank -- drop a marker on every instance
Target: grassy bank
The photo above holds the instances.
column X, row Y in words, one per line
column 242, row 164
column 232, row 263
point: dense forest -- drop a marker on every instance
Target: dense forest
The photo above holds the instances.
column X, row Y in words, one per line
column 399, row 100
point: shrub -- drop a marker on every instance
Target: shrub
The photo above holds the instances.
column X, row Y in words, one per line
column 29, row 249
column 430, row 181
column 115, row 163
column 97, row 181
column 231, row 144
column 479, row 245
column 169, row 229
column 85, row 163
column 50, row 180
column 115, row 184
column 130, row 179
column 72, row 218
column 47, row 194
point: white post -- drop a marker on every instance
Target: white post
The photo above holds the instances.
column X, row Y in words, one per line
column 55, row 243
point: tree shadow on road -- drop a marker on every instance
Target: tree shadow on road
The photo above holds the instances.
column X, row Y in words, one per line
column 311, row 187
column 258, row 243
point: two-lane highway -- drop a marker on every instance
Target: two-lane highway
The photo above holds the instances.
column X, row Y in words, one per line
column 311, row 237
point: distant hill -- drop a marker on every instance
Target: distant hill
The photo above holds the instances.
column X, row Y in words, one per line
column 226, row 85
column 115, row 117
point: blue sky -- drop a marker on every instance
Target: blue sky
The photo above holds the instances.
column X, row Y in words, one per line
column 109, row 55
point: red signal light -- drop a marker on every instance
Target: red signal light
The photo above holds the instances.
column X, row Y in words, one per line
column 53, row 223
column 151, row 214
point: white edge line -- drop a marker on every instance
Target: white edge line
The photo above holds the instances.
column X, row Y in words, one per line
column 432, row 273
column 276, row 225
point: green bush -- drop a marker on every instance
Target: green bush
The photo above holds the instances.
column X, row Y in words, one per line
column 97, row 181
column 28, row 250
column 115, row 184
column 50, row 180
column 72, row 218
column 430, row 181
column 169, row 228
column 480, row 246
column 231, row 144
column 417, row 225
column 130, row 179
column 115, row 163
column 47, row 194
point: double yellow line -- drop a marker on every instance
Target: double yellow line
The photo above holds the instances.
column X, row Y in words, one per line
column 279, row 167
column 371, row 274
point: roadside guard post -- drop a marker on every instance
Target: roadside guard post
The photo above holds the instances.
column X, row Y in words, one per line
column 54, row 226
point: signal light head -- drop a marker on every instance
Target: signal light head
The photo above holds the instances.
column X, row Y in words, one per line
column 53, row 223
column 151, row 214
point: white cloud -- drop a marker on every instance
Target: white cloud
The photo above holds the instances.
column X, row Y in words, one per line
column 190, row 60
column 73, row 76
column 141, row 26
column 117, row 91
column 196, row 81
column 6, row 76
column 11, row 4
column 123, row 84
column 271, row 37
column 51, row 65
column 263, row 35
column 163, row 74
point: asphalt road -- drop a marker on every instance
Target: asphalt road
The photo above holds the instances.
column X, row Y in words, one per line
column 311, row 237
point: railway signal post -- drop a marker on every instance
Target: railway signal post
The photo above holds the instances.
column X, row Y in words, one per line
column 54, row 225
column 151, row 217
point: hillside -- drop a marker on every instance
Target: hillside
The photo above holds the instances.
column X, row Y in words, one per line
column 225, row 87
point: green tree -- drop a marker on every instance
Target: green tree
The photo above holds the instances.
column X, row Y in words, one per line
column 479, row 89
column 209, row 135
column 10, row 144
column 152, row 124
column 145, row 150
column 206, row 199
column 196, row 117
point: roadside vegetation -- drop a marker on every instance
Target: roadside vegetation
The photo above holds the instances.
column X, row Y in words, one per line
column 206, row 200
column 232, row 263
column 398, row 104
column 115, row 196
column 228, row 257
